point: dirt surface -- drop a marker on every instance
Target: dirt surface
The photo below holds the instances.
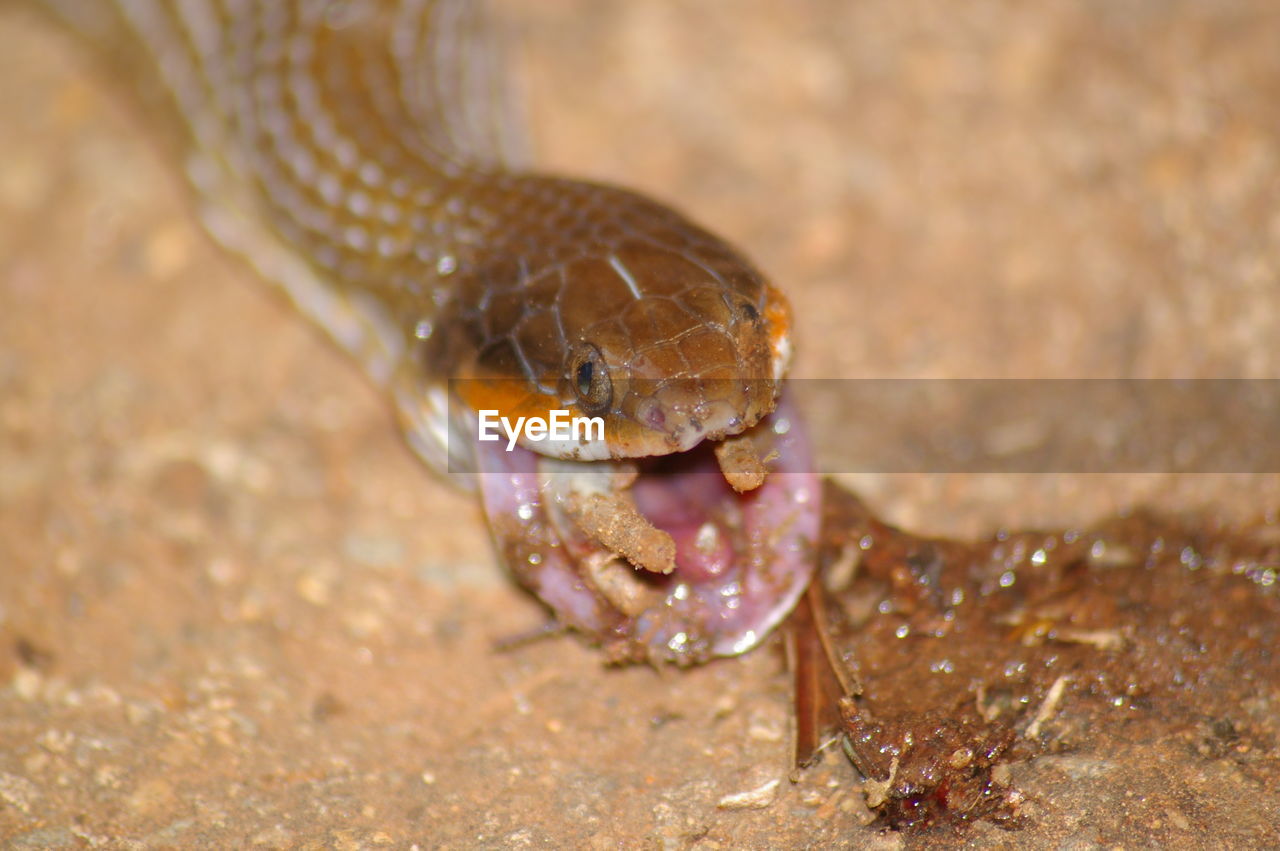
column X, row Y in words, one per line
column 235, row 610
column 966, row 674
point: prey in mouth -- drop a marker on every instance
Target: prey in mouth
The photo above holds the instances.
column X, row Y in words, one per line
column 663, row 558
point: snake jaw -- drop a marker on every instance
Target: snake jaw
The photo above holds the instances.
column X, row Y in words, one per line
column 741, row 560
column 676, row 416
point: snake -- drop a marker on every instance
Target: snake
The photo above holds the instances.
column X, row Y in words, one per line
column 362, row 156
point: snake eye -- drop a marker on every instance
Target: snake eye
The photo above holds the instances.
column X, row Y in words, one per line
column 589, row 378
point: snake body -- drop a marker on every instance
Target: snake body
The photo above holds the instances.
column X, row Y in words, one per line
column 358, row 154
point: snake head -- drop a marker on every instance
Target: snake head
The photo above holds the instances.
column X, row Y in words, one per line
column 669, row 348
column 663, row 332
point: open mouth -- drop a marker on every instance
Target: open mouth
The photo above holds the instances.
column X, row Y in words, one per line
column 675, row 558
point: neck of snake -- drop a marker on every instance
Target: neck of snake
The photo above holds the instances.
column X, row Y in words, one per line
column 349, row 153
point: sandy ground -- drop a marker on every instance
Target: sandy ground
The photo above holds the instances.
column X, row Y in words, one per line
column 234, row 610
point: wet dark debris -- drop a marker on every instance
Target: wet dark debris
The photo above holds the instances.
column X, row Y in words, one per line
column 970, row 658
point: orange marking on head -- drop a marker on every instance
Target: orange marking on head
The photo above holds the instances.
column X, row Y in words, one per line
column 510, row 398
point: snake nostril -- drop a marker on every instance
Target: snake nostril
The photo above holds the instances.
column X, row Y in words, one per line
column 653, row 416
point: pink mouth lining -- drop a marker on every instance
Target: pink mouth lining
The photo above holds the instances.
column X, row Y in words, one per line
column 742, row 560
